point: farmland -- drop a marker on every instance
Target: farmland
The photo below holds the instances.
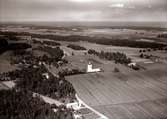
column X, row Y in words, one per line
column 118, row 91
column 124, row 93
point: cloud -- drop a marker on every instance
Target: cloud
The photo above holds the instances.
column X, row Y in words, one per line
column 120, row 5
column 56, row 10
column 83, row 1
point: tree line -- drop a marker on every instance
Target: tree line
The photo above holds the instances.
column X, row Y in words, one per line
column 50, row 43
column 163, row 35
column 104, row 41
column 115, row 56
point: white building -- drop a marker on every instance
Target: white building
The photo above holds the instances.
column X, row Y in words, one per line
column 46, row 75
column 91, row 70
column 132, row 64
column 74, row 105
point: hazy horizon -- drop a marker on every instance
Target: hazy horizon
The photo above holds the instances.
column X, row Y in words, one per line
column 161, row 24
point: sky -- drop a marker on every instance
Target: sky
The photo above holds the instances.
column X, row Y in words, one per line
column 83, row 10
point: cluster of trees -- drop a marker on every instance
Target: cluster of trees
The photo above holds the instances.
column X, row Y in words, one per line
column 68, row 72
column 22, row 105
column 162, row 35
column 32, row 79
column 104, row 41
column 153, row 49
column 51, row 43
column 31, row 59
column 27, row 57
column 8, row 76
column 55, row 53
column 12, row 37
column 147, row 56
column 22, row 53
column 76, row 47
column 115, row 56
column 3, row 41
column 5, row 45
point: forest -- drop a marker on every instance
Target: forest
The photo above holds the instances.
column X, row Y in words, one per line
column 23, row 105
column 26, row 79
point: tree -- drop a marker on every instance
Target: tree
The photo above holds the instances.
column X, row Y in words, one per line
column 141, row 55
column 116, row 70
column 140, row 51
column 3, row 42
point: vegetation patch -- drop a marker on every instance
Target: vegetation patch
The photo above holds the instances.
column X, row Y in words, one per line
column 68, row 72
column 104, row 41
column 50, row 43
column 76, row 47
column 22, row 105
column 56, row 53
column 115, row 56
column 5, row 46
column 57, row 88
column 162, row 35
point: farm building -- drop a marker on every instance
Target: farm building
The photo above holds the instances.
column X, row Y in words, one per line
column 46, row 75
column 91, row 70
column 132, row 64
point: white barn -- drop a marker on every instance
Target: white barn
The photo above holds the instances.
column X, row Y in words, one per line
column 91, row 70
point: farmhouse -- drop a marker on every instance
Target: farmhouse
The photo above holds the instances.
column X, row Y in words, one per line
column 91, row 70
column 132, row 64
column 46, row 75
